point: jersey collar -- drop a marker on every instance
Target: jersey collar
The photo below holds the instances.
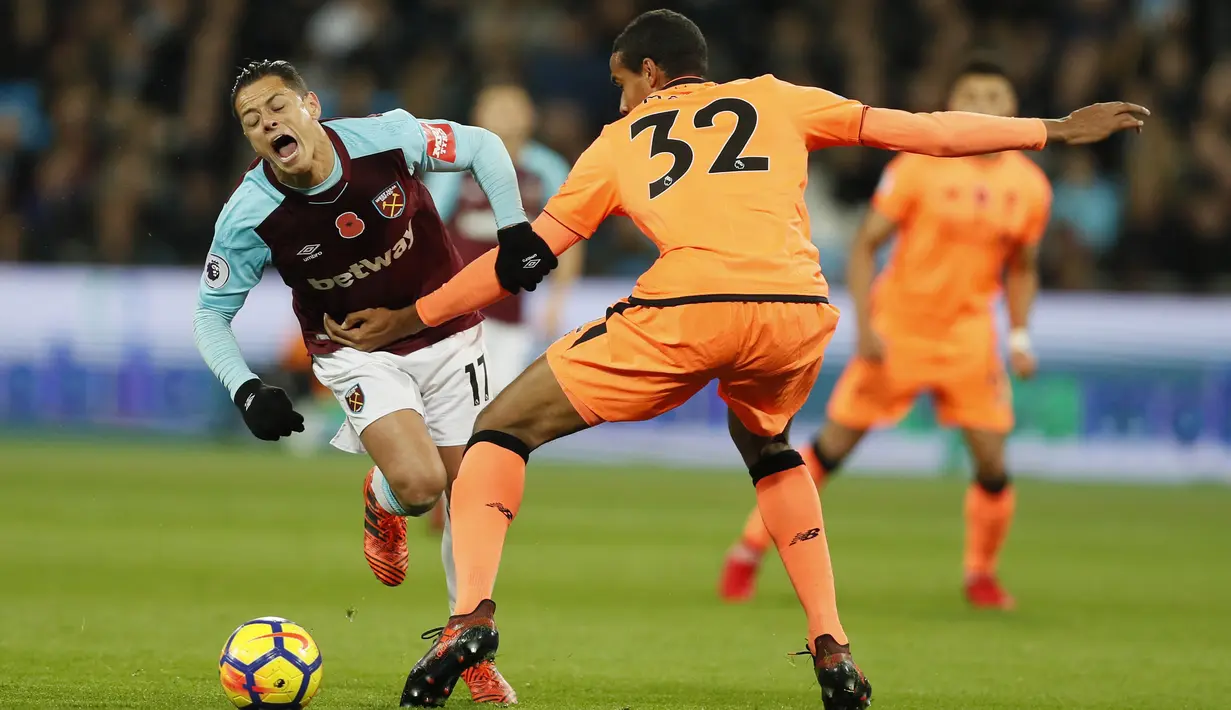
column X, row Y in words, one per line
column 683, row 80
column 327, row 195
column 675, row 86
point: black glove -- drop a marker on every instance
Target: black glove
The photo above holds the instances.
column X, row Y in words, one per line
column 523, row 259
column 267, row 410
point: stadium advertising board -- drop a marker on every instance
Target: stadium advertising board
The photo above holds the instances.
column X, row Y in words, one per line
column 1134, row 387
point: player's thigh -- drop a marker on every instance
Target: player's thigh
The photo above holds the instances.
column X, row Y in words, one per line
column 508, row 351
column 368, row 386
column 534, row 408
column 976, row 396
column 776, row 367
column 753, row 446
column 866, row 397
column 400, row 445
column 635, row 364
column 986, row 451
column 451, row 458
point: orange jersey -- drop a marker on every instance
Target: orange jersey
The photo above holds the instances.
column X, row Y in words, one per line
column 959, row 220
column 714, row 175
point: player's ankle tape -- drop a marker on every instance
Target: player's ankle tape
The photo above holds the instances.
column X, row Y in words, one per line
column 503, row 440
column 775, row 463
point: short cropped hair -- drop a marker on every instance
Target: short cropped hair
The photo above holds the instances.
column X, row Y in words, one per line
column 980, row 66
column 673, row 41
column 258, row 69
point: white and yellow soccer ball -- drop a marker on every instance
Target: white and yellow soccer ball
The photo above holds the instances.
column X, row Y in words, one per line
column 270, row 663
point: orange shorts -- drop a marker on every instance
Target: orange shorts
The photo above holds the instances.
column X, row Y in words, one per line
column 643, row 360
column 970, row 392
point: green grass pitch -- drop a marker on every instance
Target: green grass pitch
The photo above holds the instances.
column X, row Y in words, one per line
column 124, row 567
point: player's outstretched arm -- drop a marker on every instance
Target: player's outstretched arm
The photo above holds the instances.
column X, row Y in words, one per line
column 477, row 286
column 233, row 267
column 950, row 134
column 473, row 288
column 583, row 201
column 873, row 233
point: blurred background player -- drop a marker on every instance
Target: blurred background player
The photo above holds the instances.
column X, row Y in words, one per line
column 342, row 213
column 507, row 111
column 966, row 229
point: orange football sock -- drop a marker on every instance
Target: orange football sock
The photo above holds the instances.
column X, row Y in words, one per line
column 988, row 516
column 791, row 509
column 485, row 498
column 755, row 539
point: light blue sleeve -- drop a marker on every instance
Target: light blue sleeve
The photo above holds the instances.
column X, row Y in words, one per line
column 445, row 146
column 441, row 147
column 237, row 258
column 446, row 189
column 547, row 165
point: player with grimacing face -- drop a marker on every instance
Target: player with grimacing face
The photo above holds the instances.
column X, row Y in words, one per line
column 340, row 210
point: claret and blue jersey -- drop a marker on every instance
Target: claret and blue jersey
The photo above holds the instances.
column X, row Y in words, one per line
column 368, row 236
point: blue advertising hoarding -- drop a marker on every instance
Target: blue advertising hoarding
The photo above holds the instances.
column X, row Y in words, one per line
column 1131, row 387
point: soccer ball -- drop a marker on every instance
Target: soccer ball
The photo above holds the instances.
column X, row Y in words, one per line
column 270, row 663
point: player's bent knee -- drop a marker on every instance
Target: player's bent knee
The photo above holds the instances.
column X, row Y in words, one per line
column 829, row 464
column 777, row 462
column 992, row 480
column 502, row 439
column 417, row 487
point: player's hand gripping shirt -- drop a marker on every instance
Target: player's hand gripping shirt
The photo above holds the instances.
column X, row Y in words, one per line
column 369, row 236
column 714, row 175
column 959, row 222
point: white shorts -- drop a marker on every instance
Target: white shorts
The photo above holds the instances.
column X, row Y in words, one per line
column 446, row 383
column 510, row 346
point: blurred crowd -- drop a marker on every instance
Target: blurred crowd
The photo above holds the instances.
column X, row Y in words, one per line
column 117, row 144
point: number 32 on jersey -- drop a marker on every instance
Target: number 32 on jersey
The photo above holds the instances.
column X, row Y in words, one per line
column 730, row 158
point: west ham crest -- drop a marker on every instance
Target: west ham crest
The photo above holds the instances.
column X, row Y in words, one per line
column 354, row 399
column 391, row 201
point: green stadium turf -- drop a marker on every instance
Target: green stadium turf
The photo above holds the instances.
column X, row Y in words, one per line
column 123, row 568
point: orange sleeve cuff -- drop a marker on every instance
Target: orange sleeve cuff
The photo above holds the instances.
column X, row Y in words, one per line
column 950, row 134
column 475, row 287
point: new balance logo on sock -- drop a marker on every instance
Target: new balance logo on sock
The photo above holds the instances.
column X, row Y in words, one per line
column 503, row 510
column 805, row 536
column 531, row 261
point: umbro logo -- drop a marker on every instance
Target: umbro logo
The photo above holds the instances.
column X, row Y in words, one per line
column 310, row 252
column 531, row 261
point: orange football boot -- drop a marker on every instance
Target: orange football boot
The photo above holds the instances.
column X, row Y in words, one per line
column 384, row 539
column 488, row 686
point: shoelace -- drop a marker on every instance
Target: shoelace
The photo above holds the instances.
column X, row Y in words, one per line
column 433, row 635
column 387, row 529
